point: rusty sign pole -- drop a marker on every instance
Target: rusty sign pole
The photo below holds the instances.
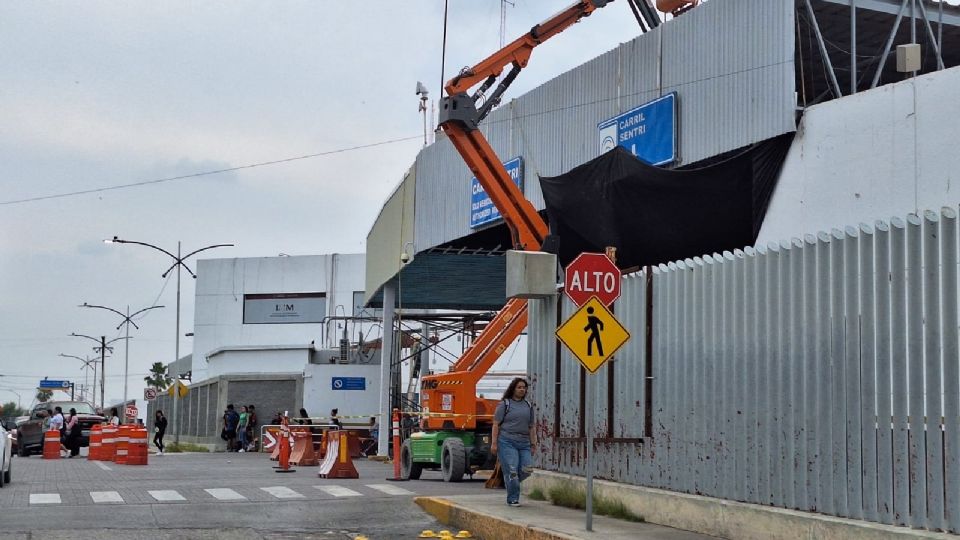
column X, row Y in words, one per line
column 589, row 429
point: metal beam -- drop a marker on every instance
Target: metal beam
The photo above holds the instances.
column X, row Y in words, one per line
column 886, row 48
column 853, row 47
column 933, row 38
column 951, row 14
column 823, row 49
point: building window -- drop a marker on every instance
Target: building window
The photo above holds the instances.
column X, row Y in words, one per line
column 360, row 311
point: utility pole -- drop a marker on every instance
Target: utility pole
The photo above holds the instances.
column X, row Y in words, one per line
column 103, row 368
column 178, row 262
column 127, row 320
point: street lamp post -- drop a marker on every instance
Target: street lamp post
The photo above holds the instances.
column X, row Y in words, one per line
column 19, row 397
column 87, row 362
column 178, row 263
column 102, row 347
column 127, row 321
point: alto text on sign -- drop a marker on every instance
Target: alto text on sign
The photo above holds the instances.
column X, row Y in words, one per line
column 592, row 274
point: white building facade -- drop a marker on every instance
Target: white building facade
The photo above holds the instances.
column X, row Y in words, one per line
column 287, row 315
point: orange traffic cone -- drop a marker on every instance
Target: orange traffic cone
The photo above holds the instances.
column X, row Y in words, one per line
column 284, row 443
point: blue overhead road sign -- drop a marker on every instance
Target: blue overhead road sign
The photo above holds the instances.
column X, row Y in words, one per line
column 54, row 385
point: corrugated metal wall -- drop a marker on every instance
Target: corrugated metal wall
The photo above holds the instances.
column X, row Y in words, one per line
column 817, row 374
column 730, row 61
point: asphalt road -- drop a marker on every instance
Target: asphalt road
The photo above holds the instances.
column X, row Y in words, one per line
column 212, row 496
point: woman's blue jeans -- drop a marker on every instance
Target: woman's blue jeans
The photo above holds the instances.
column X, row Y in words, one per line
column 242, row 436
column 515, row 462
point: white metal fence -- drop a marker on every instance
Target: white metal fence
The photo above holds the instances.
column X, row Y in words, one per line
column 819, row 374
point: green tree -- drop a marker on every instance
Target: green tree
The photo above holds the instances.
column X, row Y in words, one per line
column 44, row 396
column 10, row 410
column 158, row 376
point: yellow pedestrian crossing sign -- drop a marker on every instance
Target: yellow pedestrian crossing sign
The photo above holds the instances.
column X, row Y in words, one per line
column 593, row 334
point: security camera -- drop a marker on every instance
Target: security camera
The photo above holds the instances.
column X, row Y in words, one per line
column 421, row 90
column 404, row 258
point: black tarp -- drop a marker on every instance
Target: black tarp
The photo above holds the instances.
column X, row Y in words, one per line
column 653, row 215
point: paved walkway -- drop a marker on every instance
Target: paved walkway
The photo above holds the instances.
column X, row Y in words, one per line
column 488, row 516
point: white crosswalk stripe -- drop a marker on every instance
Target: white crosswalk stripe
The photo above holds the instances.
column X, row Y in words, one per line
column 44, row 498
column 390, row 489
column 339, row 491
column 106, row 497
column 225, row 494
column 166, row 495
column 282, row 492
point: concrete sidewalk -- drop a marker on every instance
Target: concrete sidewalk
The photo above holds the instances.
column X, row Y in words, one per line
column 488, row 517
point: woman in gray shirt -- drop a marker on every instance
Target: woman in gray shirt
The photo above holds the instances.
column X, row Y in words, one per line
column 513, row 437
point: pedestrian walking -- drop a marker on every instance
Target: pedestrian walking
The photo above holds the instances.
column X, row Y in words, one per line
column 304, row 419
column 514, row 437
column 333, row 418
column 58, row 423
column 159, row 428
column 114, row 419
column 72, row 432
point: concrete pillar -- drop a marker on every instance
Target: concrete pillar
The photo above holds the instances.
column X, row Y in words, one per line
column 386, row 420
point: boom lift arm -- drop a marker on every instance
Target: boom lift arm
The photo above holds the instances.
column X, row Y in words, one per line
column 460, row 117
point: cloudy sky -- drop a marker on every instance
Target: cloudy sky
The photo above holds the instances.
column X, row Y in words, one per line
column 97, row 95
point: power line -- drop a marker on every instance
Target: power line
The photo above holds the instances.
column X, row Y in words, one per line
column 205, row 173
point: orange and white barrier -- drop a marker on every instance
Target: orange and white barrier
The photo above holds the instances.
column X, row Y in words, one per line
column 303, row 454
column 396, row 445
column 95, row 447
column 51, row 444
column 122, row 445
column 108, row 443
column 337, row 462
column 137, row 446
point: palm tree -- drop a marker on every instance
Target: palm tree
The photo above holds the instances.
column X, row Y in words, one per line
column 158, row 376
column 44, row 396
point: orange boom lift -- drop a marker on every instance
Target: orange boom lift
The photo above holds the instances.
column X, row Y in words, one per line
column 457, row 423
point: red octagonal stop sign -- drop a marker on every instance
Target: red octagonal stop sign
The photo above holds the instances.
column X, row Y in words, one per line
column 592, row 274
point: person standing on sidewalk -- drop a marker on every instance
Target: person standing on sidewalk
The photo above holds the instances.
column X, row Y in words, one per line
column 513, row 437
column 159, row 428
column 242, row 429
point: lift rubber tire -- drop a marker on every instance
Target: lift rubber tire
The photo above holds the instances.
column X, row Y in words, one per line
column 408, row 469
column 453, row 460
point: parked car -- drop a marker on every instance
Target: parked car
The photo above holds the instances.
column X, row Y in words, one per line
column 30, row 433
column 11, row 426
column 6, row 443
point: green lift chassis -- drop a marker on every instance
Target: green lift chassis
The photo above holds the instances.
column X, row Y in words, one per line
column 454, row 453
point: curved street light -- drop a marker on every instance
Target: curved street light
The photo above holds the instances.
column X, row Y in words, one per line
column 178, row 263
column 127, row 321
column 88, row 364
column 102, row 347
column 19, row 397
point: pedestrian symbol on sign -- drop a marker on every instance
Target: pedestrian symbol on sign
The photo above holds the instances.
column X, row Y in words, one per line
column 594, row 326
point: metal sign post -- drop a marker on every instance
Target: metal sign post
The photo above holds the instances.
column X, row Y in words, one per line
column 593, row 334
column 589, row 429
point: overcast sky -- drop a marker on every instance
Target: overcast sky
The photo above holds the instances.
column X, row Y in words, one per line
column 102, row 94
